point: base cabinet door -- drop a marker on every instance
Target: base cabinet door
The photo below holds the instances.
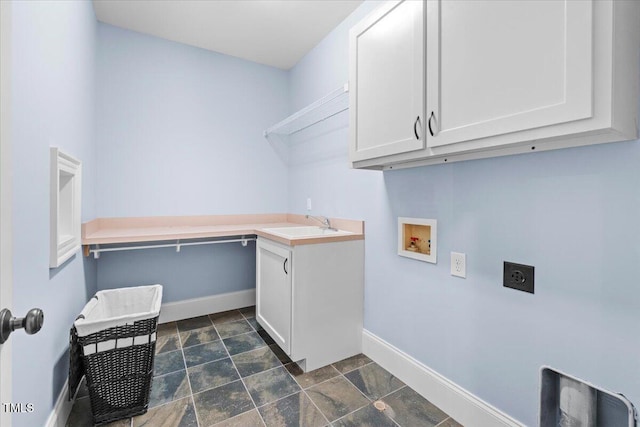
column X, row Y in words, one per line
column 273, row 291
column 310, row 297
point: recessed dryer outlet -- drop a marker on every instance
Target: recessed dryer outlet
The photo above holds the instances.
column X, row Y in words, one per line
column 518, row 276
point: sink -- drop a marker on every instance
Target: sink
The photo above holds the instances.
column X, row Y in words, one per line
column 304, row 231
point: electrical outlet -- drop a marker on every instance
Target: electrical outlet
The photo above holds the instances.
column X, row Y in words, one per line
column 518, row 276
column 308, row 203
column 458, row 264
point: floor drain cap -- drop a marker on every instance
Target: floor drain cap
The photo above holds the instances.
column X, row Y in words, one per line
column 379, row 405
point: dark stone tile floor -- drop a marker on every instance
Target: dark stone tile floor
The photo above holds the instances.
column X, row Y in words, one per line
column 223, row 370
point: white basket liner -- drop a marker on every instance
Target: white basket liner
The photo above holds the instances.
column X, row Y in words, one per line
column 119, row 307
column 120, row 343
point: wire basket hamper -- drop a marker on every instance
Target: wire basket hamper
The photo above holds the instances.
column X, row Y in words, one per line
column 118, row 365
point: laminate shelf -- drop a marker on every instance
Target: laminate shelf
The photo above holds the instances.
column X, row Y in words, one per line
column 113, row 231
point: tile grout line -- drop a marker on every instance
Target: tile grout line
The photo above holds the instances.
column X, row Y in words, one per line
column 288, row 395
column 230, row 358
column 352, row 412
column 243, row 333
column 240, row 376
column 229, row 382
column 355, row 369
column 282, row 364
column 314, row 404
column 394, row 391
column 245, row 317
column 370, row 402
column 441, row 422
column 222, row 341
column 381, row 397
column 367, row 364
column 242, row 352
column 278, row 399
column 167, row 352
column 213, row 325
column 406, row 386
column 301, row 390
column 229, row 419
column 252, row 331
column 266, row 370
column 307, row 395
column 366, row 397
column 229, row 321
column 342, row 375
column 186, row 371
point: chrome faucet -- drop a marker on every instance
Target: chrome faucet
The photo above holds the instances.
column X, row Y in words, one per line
column 326, row 224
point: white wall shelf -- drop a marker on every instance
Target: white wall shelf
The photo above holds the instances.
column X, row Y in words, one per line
column 326, row 107
column 66, row 178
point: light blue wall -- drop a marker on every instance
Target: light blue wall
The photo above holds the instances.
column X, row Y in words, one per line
column 573, row 214
column 179, row 129
column 179, row 132
column 53, row 59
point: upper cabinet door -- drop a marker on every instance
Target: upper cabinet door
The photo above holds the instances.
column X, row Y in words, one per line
column 496, row 67
column 386, row 81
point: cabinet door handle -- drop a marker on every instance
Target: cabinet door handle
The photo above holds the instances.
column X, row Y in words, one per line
column 415, row 127
column 432, row 116
column 284, row 266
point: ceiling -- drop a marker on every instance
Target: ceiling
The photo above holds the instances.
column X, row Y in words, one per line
column 272, row 32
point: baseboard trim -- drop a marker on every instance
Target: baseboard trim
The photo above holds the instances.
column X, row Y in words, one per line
column 194, row 307
column 62, row 409
column 460, row 404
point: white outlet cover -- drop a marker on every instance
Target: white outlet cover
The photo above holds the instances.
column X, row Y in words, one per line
column 458, row 264
column 308, row 203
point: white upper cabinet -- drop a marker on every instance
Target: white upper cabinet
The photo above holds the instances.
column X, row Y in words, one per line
column 497, row 67
column 507, row 77
column 386, row 82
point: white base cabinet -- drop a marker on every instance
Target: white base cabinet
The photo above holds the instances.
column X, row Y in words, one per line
column 508, row 77
column 309, row 299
